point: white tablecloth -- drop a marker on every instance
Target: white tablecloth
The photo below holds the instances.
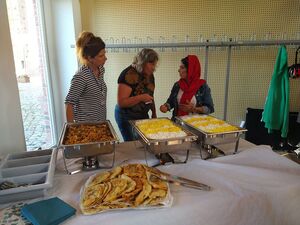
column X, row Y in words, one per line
column 255, row 186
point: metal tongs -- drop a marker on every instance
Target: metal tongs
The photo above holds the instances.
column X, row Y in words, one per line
column 181, row 181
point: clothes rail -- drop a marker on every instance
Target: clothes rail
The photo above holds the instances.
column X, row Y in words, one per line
column 205, row 44
column 228, row 44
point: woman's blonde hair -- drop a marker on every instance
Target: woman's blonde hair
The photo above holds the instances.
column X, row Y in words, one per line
column 146, row 55
column 88, row 44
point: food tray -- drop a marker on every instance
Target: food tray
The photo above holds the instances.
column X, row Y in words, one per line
column 32, row 172
column 168, row 145
column 87, row 149
column 207, row 138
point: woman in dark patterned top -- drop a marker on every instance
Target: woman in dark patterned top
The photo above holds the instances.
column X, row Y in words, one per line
column 190, row 94
column 135, row 92
column 86, row 99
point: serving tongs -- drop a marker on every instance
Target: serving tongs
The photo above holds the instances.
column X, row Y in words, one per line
column 180, row 181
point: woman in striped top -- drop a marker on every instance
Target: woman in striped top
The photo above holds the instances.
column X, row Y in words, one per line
column 86, row 99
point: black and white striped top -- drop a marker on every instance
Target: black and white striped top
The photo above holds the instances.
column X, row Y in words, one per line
column 88, row 94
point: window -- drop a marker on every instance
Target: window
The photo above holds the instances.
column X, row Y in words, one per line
column 26, row 31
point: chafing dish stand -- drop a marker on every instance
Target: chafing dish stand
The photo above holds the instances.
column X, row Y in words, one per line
column 162, row 147
column 208, row 141
column 88, row 155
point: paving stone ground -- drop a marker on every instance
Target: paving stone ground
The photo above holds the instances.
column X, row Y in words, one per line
column 35, row 113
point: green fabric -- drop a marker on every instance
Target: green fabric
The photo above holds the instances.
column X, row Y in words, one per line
column 276, row 110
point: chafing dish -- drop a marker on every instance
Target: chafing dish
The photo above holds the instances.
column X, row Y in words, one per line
column 168, row 145
column 208, row 141
column 89, row 152
column 294, row 155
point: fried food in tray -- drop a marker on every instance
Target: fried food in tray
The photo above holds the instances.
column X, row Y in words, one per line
column 129, row 186
column 159, row 129
column 209, row 124
column 87, row 133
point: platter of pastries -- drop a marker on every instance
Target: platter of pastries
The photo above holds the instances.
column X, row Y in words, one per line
column 132, row 186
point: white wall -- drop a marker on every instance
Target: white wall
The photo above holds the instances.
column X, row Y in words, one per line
column 62, row 21
column 77, row 17
column 11, row 133
column 65, row 33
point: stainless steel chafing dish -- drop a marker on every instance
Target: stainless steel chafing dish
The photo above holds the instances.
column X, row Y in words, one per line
column 169, row 145
column 88, row 153
column 208, row 140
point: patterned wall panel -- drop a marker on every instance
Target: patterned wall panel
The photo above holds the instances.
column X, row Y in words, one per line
column 133, row 21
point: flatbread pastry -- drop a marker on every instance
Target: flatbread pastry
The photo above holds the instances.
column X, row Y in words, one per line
column 129, row 186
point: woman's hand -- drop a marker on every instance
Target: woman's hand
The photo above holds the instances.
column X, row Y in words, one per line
column 125, row 101
column 146, row 98
column 188, row 107
column 163, row 108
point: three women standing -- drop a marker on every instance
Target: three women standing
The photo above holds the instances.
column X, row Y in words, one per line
column 86, row 99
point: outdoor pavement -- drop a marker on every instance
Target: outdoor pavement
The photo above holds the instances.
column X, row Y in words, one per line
column 35, row 113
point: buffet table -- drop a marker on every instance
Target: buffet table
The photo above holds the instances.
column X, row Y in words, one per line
column 255, row 186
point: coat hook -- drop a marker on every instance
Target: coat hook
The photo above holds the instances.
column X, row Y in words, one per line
column 112, row 41
column 162, row 41
column 129, row 42
column 124, row 43
column 136, row 42
column 174, row 40
column 117, row 42
column 200, row 40
column 187, row 40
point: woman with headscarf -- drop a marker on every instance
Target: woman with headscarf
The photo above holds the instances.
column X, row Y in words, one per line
column 190, row 94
